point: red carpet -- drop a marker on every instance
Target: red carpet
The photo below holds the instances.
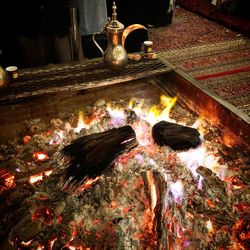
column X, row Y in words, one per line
column 188, row 29
column 215, row 55
column 205, row 9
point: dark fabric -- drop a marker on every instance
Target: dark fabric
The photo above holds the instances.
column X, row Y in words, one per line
column 34, row 17
column 159, row 13
column 144, row 12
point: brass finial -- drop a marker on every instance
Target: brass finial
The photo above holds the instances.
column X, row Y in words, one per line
column 114, row 14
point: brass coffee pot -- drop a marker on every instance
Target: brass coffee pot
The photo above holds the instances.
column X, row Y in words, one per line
column 115, row 56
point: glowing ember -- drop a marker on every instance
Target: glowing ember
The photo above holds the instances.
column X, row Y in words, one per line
column 39, row 177
column 9, row 182
column 26, row 139
column 40, row 156
column 209, row 226
column 87, row 184
column 148, row 199
column 26, row 244
column 153, row 194
column 51, row 243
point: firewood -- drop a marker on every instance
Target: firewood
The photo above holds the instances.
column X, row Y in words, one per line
column 176, row 136
column 89, row 156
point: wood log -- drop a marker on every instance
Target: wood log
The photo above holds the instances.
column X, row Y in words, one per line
column 176, row 136
column 89, row 156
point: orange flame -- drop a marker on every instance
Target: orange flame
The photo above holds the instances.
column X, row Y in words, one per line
column 168, row 103
column 81, row 122
column 156, row 112
column 161, row 112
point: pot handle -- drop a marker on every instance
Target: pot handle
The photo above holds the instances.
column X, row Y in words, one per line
column 95, row 42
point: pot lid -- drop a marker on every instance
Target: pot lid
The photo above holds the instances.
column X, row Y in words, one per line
column 114, row 24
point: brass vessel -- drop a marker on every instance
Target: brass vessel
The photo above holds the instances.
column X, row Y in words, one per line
column 115, row 56
column 3, row 78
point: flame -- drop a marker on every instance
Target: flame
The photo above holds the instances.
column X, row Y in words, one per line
column 200, row 182
column 209, row 226
column 40, row 156
column 39, row 177
column 168, row 103
column 117, row 115
column 200, row 156
column 81, row 123
column 158, row 113
column 136, row 106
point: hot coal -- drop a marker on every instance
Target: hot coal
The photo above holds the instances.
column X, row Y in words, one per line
column 153, row 198
column 91, row 155
column 176, row 136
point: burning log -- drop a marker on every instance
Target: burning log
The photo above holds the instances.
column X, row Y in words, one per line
column 175, row 135
column 91, row 155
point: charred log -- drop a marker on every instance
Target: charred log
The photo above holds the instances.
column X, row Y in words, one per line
column 91, row 155
column 175, row 135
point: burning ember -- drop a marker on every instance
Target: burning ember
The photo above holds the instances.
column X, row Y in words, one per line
column 151, row 198
column 40, row 156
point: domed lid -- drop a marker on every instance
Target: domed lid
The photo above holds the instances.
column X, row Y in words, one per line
column 114, row 25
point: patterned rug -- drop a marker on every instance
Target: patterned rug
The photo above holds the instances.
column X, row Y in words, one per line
column 219, row 58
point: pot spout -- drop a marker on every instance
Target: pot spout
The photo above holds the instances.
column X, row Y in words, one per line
column 129, row 29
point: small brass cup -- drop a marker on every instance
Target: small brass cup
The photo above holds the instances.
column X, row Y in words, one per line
column 12, row 72
column 148, row 46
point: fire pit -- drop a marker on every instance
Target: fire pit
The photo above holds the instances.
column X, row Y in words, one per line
column 149, row 197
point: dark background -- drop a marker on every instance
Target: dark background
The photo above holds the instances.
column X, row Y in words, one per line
column 31, row 18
